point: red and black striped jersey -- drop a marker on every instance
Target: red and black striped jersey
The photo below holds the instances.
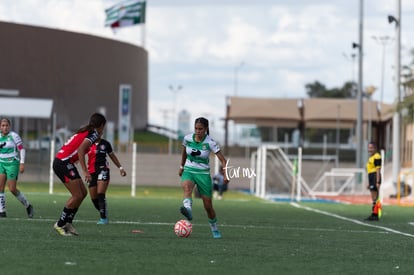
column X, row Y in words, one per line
column 70, row 149
column 97, row 155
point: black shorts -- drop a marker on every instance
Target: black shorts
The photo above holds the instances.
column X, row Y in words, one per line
column 102, row 174
column 372, row 181
column 65, row 170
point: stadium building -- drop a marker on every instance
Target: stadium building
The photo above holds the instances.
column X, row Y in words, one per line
column 80, row 73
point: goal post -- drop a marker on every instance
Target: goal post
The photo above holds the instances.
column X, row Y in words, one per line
column 302, row 176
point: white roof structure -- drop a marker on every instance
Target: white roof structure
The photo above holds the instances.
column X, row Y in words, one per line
column 26, row 107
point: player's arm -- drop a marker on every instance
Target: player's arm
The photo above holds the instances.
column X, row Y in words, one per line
column 183, row 160
column 378, row 177
column 22, row 152
column 377, row 163
column 20, row 148
column 223, row 161
column 82, row 151
column 117, row 163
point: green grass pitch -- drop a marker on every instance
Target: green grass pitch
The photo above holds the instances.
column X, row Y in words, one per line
column 259, row 237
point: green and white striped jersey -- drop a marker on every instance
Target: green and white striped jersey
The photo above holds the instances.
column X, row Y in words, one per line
column 9, row 147
column 198, row 153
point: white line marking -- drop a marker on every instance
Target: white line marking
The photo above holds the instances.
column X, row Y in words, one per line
column 350, row 220
column 243, row 226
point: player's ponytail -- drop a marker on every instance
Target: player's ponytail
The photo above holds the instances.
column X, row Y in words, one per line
column 95, row 121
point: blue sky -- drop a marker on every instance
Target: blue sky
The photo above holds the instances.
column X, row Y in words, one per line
column 200, row 44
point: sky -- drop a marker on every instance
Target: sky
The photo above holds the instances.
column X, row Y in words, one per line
column 201, row 51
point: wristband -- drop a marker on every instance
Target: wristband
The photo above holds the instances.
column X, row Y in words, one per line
column 181, row 167
column 121, row 168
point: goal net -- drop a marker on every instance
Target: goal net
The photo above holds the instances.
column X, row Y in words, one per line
column 294, row 177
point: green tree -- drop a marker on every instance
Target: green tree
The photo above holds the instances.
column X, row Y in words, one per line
column 317, row 89
column 406, row 106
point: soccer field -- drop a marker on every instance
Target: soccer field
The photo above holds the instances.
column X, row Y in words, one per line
column 259, row 237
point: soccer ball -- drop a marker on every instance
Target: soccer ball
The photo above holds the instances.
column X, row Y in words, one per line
column 183, row 228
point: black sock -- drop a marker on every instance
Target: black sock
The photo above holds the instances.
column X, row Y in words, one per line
column 63, row 217
column 102, row 205
column 95, row 203
column 71, row 215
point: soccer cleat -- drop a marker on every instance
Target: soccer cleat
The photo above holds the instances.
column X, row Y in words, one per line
column 3, row 215
column 216, row 234
column 372, row 218
column 103, row 221
column 215, row 195
column 62, row 230
column 186, row 212
column 69, row 227
column 30, row 211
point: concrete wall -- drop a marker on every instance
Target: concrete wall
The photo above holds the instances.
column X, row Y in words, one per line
column 151, row 170
column 162, row 169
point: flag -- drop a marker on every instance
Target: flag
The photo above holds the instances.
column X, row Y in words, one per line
column 377, row 208
column 126, row 13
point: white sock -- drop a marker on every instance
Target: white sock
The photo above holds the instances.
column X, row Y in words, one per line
column 213, row 224
column 188, row 203
column 2, row 202
column 20, row 196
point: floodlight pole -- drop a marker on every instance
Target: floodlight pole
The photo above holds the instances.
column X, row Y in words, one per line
column 383, row 41
column 175, row 90
column 359, row 95
column 397, row 95
column 236, row 77
column 226, row 126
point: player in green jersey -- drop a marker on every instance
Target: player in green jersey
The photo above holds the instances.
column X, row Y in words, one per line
column 12, row 156
column 195, row 170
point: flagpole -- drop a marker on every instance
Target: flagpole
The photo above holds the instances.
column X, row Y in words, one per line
column 143, row 35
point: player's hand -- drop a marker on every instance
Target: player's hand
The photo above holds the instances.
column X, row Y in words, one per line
column 123, row 172
column 88, row 177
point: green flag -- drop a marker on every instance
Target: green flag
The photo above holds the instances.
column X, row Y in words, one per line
column 126, row 13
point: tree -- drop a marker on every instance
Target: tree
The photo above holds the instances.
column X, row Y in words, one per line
column 317, row 89
column 406, row 106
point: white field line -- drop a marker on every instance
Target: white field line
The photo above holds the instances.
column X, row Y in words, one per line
column 351, row 220
column 52, row 221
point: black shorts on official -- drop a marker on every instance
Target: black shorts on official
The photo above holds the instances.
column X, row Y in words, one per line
column 65, row 170
column 372, row 181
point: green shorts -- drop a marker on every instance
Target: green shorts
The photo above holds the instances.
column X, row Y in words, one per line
column 10, row 169
column 203, row 181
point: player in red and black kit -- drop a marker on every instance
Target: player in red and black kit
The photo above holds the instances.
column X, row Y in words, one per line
column 98, row 167
column 64, row 167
